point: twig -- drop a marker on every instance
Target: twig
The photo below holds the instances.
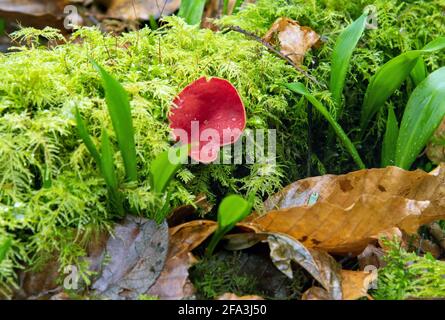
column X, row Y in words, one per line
column 272, row 49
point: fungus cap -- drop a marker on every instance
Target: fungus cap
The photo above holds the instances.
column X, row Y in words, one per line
column 208, row 114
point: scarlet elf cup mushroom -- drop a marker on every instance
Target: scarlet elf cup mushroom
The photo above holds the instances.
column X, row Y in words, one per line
column 207, row 114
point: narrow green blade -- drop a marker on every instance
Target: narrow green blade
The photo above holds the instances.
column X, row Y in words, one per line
column 109, row 173
column 345, row 45
column 301, row 89
column 120, row 113
column 85, row 136
column 165, row 166
column 192, row 11
column 385, row 82
column 423, row 114
column 5, row 245
column 391, row 76
column 232, row 210
column 390, row 140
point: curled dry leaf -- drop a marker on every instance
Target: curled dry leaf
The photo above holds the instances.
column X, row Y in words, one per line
column 353, row 208
column 355, row 285
column 232, row 296
column 36, row 13
column 174, row 282
column 134, row 258
column 285, row 249
column 371, row 256
column 140, row 9
column 294, row 40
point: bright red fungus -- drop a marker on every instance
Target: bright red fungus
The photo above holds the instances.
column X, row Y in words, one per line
column 208, row 114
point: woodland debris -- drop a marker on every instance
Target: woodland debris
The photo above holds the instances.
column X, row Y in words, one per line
column 352, row 209
column 135, row 257
column 293, row 39
column 174, row 282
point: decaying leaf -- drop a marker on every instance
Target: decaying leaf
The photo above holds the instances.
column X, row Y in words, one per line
column 371, row 256
column 355, row 284
column 36, row 13
column 174, row 282
column 353, row 208
column 39, row 284
column 133, row 260
column 316, row 293
column 294, row 40
column 285, row 249
column 232, row 296
column 140, row 9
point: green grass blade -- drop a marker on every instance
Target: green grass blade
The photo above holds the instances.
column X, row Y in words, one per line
column 237, row 6
column 192, row 10
column 390, row 77
column 231, row 210
column 383, row 84
column 120, row 113
column 419, row 72
column 109, row 173
column 390, row 140
column 5, row 245
column 225, row 7
column 85, row 136
column 107, row 163
column 345, row 45
column 424, row 113
column 301, row 89
column 162, row 169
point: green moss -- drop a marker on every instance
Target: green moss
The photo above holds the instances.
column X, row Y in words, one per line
column 407, row 275
column 227, row 273
column 41, row 85
column 398, row 31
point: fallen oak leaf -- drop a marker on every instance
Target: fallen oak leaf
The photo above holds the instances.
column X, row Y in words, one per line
column 174, row 283
column 134, row 258
column 294, row 40
column 285, row 249
column 355, row 285
column 35, row 13
column 140, row 9
column 352, row 209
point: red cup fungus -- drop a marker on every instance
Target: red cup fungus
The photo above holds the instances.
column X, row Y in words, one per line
column 207, row 114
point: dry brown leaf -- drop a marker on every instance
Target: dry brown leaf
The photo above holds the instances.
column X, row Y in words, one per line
column 355, row 284
column 136, row 255
column 294, row 40
column 36, row 13
column 353, row 208
column 140, row 9
column 316, row 293
column 284, row 250
column 173, row 282
column 371, row 256
column 232, row 296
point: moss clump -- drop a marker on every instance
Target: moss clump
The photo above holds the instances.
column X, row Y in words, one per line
column 51, row 196
column 41, row 86
column 398, row 31
column 244, row 273
column 407, row 275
